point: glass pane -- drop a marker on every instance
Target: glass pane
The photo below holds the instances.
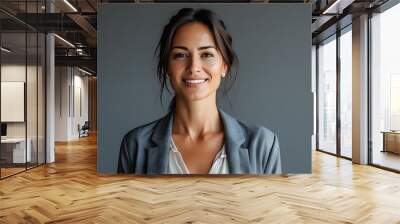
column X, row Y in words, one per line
column 386, row 89
column 23, row 84
column 41, row 98
column 13, row 86
column 327, row 96
column 346, row 94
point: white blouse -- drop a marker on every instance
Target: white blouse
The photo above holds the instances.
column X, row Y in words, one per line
column 177, row 164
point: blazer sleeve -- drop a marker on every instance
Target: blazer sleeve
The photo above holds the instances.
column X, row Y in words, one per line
column 125, row 161
column 273, row 164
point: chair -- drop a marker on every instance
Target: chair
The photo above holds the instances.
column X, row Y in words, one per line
column 84, row 130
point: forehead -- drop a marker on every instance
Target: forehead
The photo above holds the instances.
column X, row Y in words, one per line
column 193, row 34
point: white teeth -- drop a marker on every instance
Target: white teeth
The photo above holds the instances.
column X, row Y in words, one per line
column 195, row 81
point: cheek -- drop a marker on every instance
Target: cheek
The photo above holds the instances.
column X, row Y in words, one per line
column 214, row 67
column 175, row 68
column 211, row 63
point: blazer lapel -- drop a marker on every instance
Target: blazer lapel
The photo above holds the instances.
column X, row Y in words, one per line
column 157, row 156
column 238, row 156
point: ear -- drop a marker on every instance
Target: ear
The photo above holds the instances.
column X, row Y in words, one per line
column 224, row 68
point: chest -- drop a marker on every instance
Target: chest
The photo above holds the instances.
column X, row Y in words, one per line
column 199, row 155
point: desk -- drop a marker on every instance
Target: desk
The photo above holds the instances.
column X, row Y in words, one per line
column 15, row 148
column 391, row 141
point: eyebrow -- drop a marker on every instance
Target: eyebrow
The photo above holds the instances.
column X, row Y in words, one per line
column 200, row 48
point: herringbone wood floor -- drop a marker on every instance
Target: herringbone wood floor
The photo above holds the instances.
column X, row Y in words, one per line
column 70, row 191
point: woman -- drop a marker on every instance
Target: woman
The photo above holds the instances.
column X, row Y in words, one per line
column 196, row 137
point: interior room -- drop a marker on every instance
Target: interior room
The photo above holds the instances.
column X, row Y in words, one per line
column 51, row 125
column 22, row 102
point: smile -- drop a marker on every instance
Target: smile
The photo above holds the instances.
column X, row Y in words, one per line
column 195, row 81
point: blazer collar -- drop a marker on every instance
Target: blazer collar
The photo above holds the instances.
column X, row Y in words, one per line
column 237, row 154
column 158, row 155
column 238, row 157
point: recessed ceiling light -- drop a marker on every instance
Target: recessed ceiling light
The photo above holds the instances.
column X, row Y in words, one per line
column 337, row 7
column 65, row 41
column 70, row 5
column 84, row 71
column 5, row 50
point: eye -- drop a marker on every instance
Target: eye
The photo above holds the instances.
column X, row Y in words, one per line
column 179, row 55
column 207, row 55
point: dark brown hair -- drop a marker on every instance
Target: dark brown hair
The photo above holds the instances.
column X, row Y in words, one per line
column 222, row 39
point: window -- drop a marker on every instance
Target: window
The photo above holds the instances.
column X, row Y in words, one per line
column 385, row 88
column 327, row 95
column 346, row 92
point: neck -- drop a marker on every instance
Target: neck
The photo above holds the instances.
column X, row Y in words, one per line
column 196, row 118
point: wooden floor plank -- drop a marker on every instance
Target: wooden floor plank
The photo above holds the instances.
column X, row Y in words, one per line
column 70, row 191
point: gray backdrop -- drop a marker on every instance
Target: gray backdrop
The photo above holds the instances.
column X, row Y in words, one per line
column 273, row 89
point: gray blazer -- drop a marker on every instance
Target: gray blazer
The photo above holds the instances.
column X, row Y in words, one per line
column 249, row 149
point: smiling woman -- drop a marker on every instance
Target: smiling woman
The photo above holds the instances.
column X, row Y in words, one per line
column 195, row 57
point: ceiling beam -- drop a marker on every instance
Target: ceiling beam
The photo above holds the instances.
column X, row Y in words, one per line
column 82, row 61
column 86, row 26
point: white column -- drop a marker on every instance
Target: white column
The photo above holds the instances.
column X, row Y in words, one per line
column 360, row 90
column 50, row 92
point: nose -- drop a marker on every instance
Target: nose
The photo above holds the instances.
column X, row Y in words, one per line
column 195, row 64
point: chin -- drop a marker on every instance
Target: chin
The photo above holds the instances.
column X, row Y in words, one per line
column 198, row 97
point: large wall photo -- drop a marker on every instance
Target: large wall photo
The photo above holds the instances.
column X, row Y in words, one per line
column 270, row 99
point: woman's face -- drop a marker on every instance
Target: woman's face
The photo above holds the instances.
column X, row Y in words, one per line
column 195, row 65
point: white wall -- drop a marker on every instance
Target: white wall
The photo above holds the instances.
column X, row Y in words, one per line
column 80, row 110
column 12, row 73
column 71, row 93
column 62, row 81
column 16, row 73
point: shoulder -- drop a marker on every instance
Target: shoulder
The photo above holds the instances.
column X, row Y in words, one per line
column 259, row 140
column 249, row 132
column 132, row 154
column 257, row 132
column 143, row 131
